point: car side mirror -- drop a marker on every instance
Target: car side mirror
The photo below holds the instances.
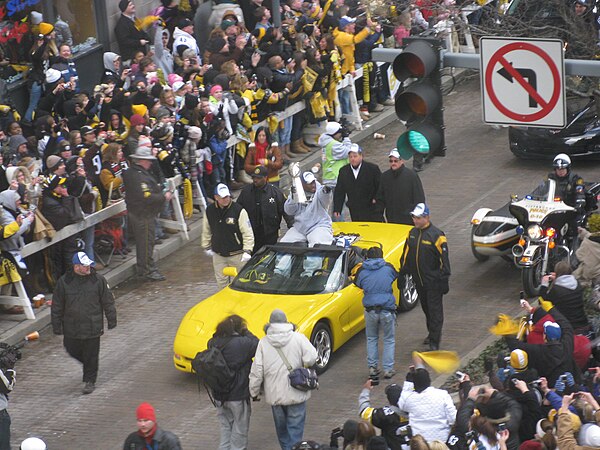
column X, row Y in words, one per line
column 230, row 272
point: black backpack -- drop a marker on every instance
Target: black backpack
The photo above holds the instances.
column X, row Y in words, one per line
column 212, row 370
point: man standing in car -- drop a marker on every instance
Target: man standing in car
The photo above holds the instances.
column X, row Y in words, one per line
column 425, row 257
column 400, row 190
column 264, row 204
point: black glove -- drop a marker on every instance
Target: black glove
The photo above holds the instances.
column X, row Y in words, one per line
column 444, row 286
column 327, row 189
column 112, row 325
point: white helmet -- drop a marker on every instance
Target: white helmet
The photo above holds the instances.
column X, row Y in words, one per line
column 561, row 161
column 33, row 443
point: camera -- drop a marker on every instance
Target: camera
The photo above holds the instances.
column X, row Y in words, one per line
column 374, row 379
column 345, row 130
column 9, row 355
column 501, row 426
column 460, row 375
column 536, row 383
column 404, row 432
column 337, row 433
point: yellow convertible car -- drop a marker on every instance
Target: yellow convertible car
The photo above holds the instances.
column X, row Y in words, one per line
column 313, row 286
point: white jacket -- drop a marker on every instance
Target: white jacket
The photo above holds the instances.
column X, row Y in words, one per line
column 431, row 412
column 180, row 37
column 269, row 370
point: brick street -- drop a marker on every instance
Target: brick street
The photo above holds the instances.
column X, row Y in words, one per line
column 136, row 358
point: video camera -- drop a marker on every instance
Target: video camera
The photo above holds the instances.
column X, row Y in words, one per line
column 346, row 127
column 9, row 355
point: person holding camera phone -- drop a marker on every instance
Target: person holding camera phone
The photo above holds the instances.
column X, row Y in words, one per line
column 392, row 422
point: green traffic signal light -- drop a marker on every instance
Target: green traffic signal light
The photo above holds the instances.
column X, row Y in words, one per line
column 418, row 141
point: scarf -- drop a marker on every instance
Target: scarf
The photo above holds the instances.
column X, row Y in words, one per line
column 261, row 151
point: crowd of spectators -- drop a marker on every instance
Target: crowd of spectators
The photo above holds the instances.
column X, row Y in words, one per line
column 190, row 94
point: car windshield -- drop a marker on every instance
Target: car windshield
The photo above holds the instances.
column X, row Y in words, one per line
column 293, row 270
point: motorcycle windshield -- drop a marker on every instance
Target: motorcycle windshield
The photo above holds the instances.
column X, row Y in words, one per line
column 544, row 192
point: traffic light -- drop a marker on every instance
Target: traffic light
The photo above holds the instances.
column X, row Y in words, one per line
column 419, row 104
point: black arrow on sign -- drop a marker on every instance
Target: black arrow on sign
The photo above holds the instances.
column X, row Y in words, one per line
column 525, row 73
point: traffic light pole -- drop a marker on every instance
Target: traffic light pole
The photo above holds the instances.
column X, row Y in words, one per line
column 470, row 61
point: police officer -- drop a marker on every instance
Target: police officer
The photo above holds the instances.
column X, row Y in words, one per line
column 226, row 234
column 145, row 199
column 570, row 188
column 425, row 257
column 569, row 185
column 264, row 204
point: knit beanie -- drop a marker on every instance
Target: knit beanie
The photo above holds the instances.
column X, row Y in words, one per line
column 216, row 44
column 145, row 411
column 53, row 161
column 136, row 120
column 123, row 4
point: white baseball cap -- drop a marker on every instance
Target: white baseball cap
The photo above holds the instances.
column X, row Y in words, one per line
column 222, row 190
column 394, row 153
column 308, row 177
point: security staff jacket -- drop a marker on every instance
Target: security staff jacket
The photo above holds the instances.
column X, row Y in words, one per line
column 425, row 257
column 227, row 231
column 144, row 193
column 264, row 206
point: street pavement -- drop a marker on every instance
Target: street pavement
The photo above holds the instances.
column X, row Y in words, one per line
column 136, row 358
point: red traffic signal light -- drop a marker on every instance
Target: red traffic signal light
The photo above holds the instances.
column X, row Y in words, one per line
column 417, row 60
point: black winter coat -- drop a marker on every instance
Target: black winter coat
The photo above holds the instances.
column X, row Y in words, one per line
column 361, row 193
column 425, row 257
column 238, row 351
column 164, row 440
column 128, row 38
column 144, row 194
column 552, row 358
column 569, row 302
column 399, row 192
column 265, row 220
column 79, row 305
column 61, row 211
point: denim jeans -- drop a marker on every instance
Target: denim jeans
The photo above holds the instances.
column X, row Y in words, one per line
column 88, row 237
column 344, row 97
column 285, row 133
column 34, row 98
column 374, row 321
column 4, row 430
column 289, row 423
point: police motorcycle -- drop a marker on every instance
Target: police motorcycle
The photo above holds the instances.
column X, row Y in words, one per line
column 543, row 230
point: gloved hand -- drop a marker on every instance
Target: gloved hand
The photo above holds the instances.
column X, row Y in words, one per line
column 112, row 325
column 245, row 257
column 327, row 189
column 570, row 379
column 559, row 386
column 209, row 253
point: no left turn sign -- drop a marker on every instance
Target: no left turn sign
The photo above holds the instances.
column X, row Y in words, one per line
column 522, row 82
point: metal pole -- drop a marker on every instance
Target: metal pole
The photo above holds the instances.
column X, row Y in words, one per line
column 469, row 61
column 276, row 13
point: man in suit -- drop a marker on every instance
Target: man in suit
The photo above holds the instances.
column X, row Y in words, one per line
column 359, row 183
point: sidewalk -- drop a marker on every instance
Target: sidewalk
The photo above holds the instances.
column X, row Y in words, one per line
column 14, row 328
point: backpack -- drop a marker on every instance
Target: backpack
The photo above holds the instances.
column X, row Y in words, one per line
column 212, row 371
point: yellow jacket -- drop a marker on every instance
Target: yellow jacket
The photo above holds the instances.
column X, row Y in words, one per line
column 346, row 42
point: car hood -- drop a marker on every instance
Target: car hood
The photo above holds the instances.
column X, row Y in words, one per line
column 200, row 322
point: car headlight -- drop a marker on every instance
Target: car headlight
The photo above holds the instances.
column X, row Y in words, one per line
column 534, row 232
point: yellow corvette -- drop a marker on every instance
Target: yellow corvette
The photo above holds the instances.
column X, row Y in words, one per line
column 313, row 286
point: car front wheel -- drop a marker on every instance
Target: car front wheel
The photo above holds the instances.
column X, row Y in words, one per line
column 322, row 340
